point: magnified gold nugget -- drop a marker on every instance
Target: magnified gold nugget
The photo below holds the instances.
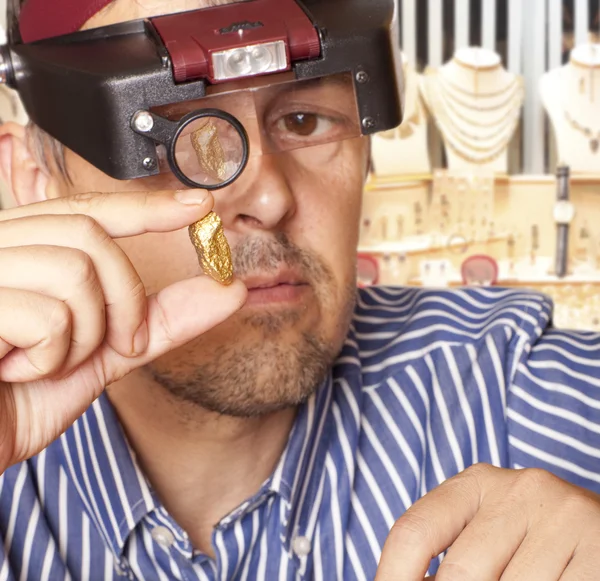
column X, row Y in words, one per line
column 212, row 247
column 209, row 151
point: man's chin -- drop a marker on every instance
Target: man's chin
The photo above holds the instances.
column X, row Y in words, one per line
column 267, row 357
column 258, row 374
column 271, row 324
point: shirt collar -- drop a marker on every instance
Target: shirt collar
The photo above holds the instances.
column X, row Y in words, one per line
column 297, row 463
column 298, row 477
column 298, row 471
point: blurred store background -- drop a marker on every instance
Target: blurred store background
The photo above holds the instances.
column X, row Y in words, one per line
column 501, row 95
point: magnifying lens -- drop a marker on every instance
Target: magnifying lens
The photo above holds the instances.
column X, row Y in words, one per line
column 207, row 148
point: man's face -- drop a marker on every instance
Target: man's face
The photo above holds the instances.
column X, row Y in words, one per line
column 292, row 222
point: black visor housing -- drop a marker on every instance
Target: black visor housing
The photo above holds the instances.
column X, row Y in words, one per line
column 84, row 89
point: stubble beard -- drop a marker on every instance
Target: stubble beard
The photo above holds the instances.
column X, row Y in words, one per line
column 280, row 366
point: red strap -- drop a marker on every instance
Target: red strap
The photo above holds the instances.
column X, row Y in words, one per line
column 47, row 18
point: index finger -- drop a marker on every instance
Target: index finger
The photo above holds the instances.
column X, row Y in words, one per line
column 126, row 213
column 428, row 528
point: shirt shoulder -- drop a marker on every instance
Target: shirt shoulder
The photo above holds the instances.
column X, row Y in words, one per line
column 431, row 369
column 394, row 327
column 554, row 407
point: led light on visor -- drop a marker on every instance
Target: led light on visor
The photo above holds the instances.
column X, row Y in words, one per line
column 247, row 61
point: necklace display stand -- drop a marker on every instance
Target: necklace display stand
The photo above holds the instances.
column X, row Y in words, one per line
column 571, row 97
column 404, row 150
column 476, row 104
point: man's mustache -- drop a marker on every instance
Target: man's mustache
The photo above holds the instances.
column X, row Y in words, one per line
column 269, row 254
column 265, row 254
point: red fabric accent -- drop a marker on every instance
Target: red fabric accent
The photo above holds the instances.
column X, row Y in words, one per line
column 42, row 19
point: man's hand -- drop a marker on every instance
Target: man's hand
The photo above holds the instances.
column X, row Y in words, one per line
column 74, row 316
column 508, row 525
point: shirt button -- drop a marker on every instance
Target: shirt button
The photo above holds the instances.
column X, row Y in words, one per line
column 301, row 546
column 119, row 570
column 163, row 536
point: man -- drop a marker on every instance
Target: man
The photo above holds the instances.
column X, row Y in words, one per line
column 271, row 429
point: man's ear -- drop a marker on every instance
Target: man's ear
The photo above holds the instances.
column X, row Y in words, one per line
column 26, row 180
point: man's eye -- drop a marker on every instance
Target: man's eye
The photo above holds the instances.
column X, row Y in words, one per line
column 305, row 124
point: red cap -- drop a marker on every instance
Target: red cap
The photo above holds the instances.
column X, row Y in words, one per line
column 42, row 19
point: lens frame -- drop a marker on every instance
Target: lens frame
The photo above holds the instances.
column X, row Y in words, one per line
column 167, row 133
column 194, row 116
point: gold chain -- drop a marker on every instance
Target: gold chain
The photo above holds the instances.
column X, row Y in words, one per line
column 480, row 160
column 460, row 141
column 512, row 92
column 491, row 125
column 469, row 93
column 587, row 131
column 518, row 98
column 457, row 135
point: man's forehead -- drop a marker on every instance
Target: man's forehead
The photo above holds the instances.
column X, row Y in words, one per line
column 124, row 10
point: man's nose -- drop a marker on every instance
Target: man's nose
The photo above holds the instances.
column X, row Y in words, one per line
column 261, row 198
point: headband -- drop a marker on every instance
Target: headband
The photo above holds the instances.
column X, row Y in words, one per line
column 40, row 19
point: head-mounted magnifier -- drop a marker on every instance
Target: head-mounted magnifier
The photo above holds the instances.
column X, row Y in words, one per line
column 199, row 93
column 207, row 148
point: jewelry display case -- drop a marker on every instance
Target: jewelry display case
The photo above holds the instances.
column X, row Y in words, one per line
column 469, row 221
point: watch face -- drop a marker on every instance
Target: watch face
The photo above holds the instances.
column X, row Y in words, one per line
column 564, row 212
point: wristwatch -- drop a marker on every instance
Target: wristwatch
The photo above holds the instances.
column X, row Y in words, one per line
column 564, row 212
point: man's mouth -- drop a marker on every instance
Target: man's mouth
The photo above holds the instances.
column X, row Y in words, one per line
column 285, row 286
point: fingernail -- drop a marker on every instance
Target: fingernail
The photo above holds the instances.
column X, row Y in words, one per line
column 140, row 340
column 192, row 197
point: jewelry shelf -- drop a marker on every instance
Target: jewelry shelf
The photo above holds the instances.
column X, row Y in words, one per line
column 416, row 245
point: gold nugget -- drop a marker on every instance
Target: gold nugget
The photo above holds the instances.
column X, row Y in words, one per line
column 209, row 151
column 212, row 247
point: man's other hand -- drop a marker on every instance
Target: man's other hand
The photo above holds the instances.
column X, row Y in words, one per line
column 499, row 525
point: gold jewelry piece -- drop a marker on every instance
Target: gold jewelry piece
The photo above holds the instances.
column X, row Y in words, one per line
column 590, row 69
column 507, row 124
column 458, row 243
column 589, row 133
column 470, row 146
column 212, row 248
column 476, row 104
column 499, row 144
column 468, row 118
column 470, row 93
column 399, row 227
column 475, row 158
column 478, row 68
column 513, row 92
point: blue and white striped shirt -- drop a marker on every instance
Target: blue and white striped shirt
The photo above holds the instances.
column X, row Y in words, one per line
column 428, row 383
